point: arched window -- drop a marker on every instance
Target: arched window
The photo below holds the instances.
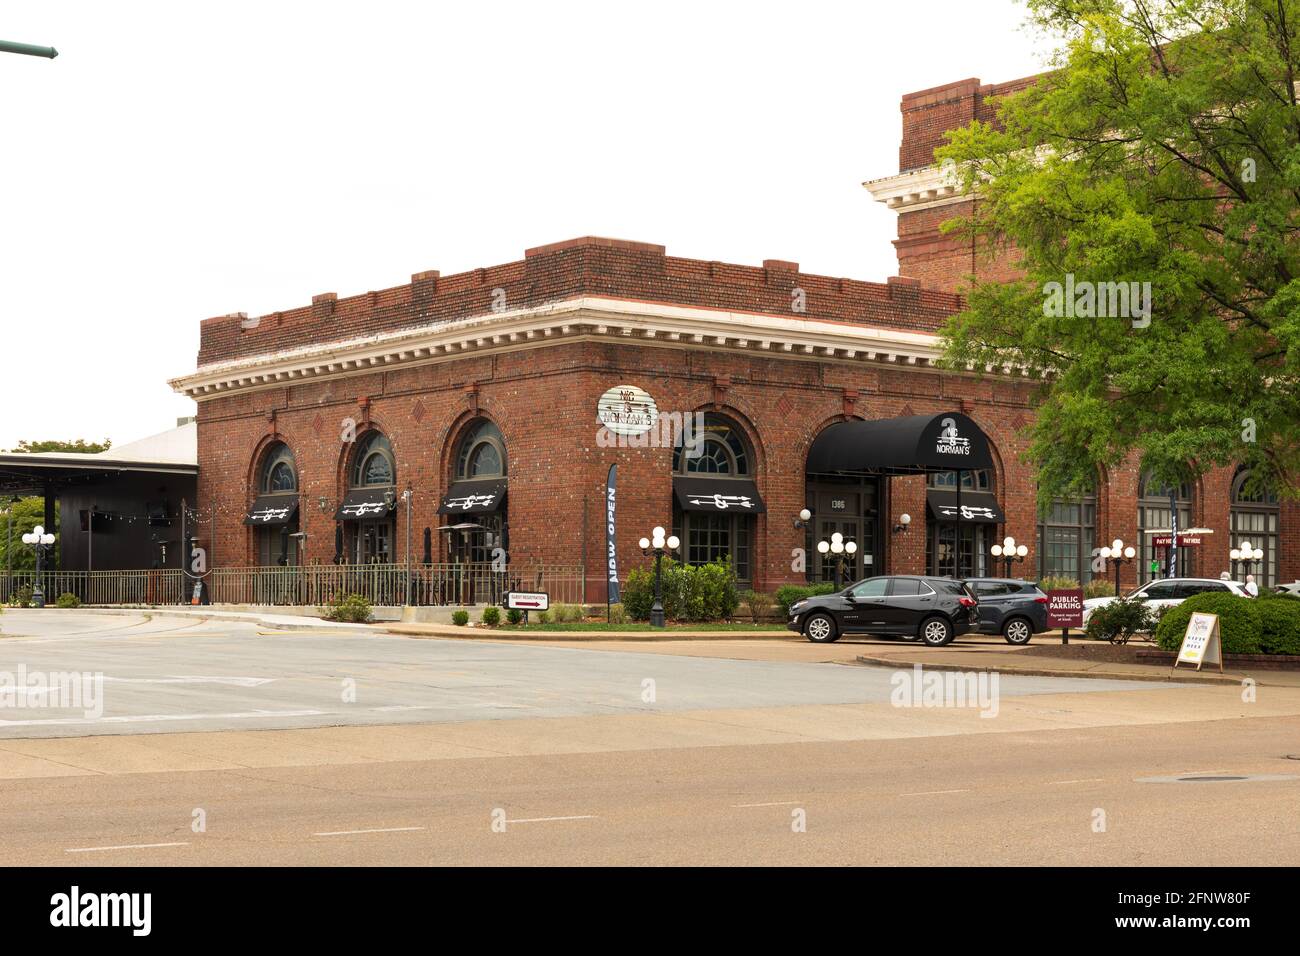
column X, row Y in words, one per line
column 1254, row 518
column 1154, row 515
column 1067, row 534
column 482, row 453
column 279, row 476
column 372, row 463
column 721, row 451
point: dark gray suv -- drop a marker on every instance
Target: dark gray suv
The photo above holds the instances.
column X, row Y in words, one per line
column 1015, row 609
column 934, row 609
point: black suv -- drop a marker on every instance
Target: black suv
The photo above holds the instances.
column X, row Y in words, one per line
column 934, row 609
column 1015, row 609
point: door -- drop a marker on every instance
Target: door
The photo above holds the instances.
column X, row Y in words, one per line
column 864, row 609
column 993, row 601
column 909, row 602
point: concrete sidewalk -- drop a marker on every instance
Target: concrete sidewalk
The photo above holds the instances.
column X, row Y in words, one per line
column 509, row 634
column 280, row 622
column 1011, row 661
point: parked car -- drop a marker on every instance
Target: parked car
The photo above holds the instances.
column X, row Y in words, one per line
column 1015, row 609
column 1292, row 588
column 1168, row 592
column 936, row 610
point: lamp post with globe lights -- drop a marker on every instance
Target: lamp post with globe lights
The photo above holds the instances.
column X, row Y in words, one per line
column 39, row 539
column 1009, row 551
column 1121, row 554
column 838, row 547
column 1247, row 553
column 658, row 545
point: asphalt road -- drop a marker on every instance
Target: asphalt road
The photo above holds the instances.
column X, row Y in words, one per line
column 524, row 754
column 169, row 675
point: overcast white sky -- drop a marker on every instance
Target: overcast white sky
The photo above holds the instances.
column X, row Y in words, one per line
column 183, row 160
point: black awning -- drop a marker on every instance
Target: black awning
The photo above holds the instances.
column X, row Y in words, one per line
column 976, row 506
column 362, row 503
column 718, row 495
column 917, row 444
column 272, row 510
column 474, row 497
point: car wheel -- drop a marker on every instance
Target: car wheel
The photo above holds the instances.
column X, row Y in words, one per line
column 1017, row 631
column 936, row 632
column 821, row 629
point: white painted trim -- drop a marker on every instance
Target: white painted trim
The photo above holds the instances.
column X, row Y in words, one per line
column 653, row 325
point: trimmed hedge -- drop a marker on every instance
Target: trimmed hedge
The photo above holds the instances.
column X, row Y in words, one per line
column 1279, row 619
column 789, row 594
column 1240, row 622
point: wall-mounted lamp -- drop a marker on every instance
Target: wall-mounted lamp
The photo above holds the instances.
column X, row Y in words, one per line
column 804, row 517
column 323, row 503
column 904, row 522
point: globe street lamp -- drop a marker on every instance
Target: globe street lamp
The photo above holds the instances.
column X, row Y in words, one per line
column 1009, row 551
column 1247, row 553
column 40, row 540
column 838, row 547
column 659, row 546
column 1120, row 554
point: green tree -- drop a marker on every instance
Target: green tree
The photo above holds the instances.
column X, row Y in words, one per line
column 78, row 447
column 1163, row 148
column 26, row 514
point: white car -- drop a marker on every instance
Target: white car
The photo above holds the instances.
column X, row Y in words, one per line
column 1166, row 592
column 1292, row 588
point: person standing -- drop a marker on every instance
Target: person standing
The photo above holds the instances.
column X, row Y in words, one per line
column 1251, row 587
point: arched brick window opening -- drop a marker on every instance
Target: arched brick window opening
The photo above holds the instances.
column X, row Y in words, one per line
column 941, row 544
column 369, row 534
column 277, row 487
column 1067, row 537
column 722, row 452
column 475, row 510
column 1255, row 517
column 1154, row 515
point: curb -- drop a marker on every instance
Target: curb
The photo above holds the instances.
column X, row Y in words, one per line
column 483, row 633
column 1045, row 672
column 234, row 617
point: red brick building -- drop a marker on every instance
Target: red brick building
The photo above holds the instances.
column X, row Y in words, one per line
column 479, row 393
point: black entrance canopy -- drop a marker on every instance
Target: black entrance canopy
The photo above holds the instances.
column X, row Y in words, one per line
column 980, row 507
column 913, row 445
column 362, row 503
column 272, row 510
column 473, row 498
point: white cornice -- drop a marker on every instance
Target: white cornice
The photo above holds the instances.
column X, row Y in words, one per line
column 918, row 189
column 584, row 319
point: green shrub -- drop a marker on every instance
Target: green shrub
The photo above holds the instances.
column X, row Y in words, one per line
column 491, row 616
column 460, row 617
column 1058, row 583
column 1098, row 587
column 22, row 597
column 1279, row 626
column 67, row 600
column 352, row 609
column 617, row 614
column 1119, row 620
column 706, row 592
column 566, row 613
column 788, row 594
column 1239, row 622
column 756, row 603
column 514, row 615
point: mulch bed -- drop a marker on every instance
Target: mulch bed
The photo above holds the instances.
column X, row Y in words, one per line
column 1142, row 652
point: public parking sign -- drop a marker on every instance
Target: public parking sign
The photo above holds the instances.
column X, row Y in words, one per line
column 1065, row 608
column 528, row 600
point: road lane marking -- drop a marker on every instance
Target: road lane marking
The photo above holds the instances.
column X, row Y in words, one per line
column 931, row 793
column 549, row 819
column 150, row 718
column 1053, row 783
column 374, row 830
column 783, row 803
column 127, row 846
